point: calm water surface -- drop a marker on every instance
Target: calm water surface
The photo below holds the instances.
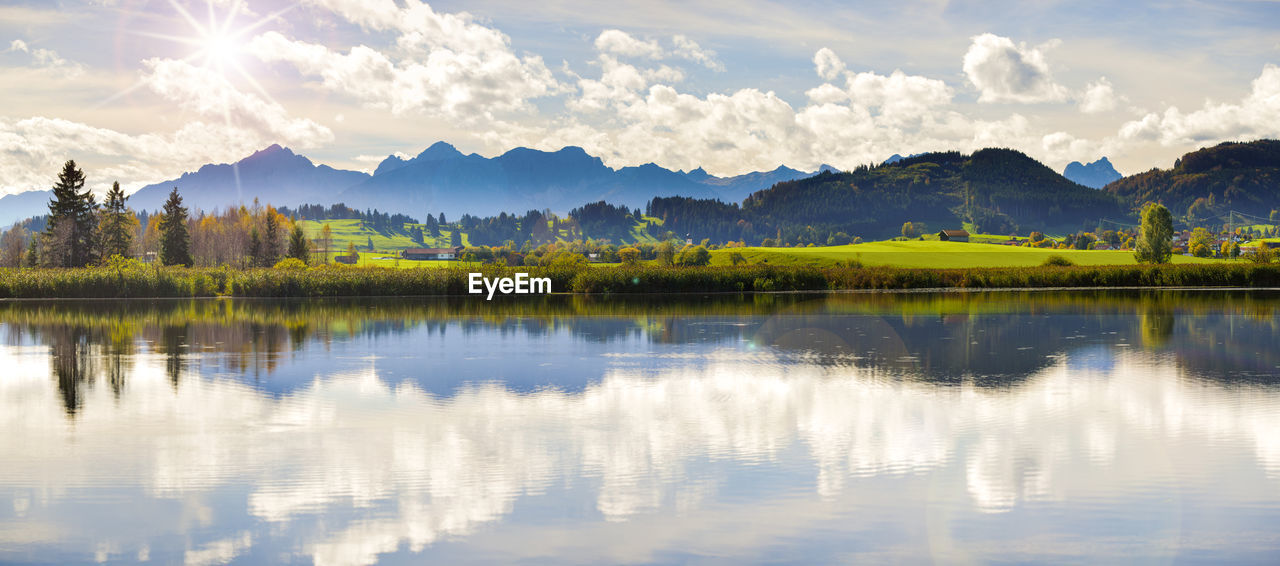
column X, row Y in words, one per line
column 1139, row 427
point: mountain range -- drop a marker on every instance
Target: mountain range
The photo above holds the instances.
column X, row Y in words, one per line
column 997, row 189
column 440, row 179
column 1096, row 174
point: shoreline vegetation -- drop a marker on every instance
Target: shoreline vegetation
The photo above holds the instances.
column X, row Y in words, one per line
column 149, row 281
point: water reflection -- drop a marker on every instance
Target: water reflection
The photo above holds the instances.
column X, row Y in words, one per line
column 936, row 427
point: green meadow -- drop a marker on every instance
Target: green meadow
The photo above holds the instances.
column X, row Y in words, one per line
column 930, row 254
column 354, row 232
column 906, row 254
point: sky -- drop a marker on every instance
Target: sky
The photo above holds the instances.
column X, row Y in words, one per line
column 140, row 91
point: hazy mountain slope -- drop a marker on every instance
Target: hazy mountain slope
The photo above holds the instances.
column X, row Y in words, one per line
column 273, row 175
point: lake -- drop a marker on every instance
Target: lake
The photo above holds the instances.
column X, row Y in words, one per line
column 1080, row 427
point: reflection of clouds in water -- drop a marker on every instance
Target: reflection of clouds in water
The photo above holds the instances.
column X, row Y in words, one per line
column 428, row 468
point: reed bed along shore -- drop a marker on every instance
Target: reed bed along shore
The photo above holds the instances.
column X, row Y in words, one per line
column 150, row 281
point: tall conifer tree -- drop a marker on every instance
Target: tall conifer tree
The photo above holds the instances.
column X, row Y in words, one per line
column 175, row 239
column 116, row 226
column 69, row 236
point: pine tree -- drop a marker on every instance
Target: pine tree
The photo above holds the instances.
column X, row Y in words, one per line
column 270, row 239
column 175, row 239
column 255, row 248
column 116, row 225
column 32, row 257
column 298, row 247
column 455, row 237
column 69, row 234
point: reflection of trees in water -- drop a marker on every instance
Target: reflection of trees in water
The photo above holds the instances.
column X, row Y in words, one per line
column 173, row 340
column 997, row 338
column 70, row 362
column 1157, row 327
column 79, row 357
column 1227, row 348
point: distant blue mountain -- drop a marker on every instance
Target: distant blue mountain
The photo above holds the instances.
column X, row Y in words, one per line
column 440, row 179
column 1097, row 174
column 738, row 187
column 896, row 158
column 274, row 175
column 21, row 206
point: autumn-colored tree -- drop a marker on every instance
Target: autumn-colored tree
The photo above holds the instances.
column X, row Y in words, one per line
column 629, row 256
column 1201, row 244
column 326, row 240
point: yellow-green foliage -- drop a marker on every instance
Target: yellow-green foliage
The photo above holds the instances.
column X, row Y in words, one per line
column 342, row 281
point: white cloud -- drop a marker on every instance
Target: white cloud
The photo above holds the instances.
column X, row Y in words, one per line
column 752, row 130
column 1098, row 96
column 899, row 96
column 227, row 125
column 622, row 44
column 1255, row 116
column 618, row 42
column 1007, row 72
column 828, row 64
column 445, row 64
column 209, row 94
column 47, row 59
column 1063, row 147
column 686, row 48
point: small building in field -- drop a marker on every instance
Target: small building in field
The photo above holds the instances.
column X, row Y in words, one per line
column 953, row 236
column 422, row 254
column 347, row 259
column 1103, row 246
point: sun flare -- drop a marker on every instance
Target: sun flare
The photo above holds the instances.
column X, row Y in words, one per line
column 220, row 49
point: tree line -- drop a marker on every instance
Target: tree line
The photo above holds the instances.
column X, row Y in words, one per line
column 79, row 232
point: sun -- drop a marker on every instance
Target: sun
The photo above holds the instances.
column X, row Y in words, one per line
column 220, row 49
column 215, row 41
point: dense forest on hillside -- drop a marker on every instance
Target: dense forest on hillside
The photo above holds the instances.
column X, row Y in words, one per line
column 998, row 190
column 1210, row 182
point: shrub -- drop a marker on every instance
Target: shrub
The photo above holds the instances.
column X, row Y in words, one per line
column 1057, row 260
column 290, row 264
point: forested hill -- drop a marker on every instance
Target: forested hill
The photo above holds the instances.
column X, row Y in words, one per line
column 1244, row 177
column 999, row 190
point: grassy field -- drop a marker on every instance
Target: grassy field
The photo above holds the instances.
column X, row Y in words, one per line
column 352, row 231
column 906, row 254
column 929, row 254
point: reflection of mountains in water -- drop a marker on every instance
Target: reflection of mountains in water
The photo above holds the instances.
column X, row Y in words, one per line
column 989, row 339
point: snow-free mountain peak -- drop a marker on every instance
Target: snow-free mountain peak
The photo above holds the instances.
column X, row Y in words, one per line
column 1096, row 174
